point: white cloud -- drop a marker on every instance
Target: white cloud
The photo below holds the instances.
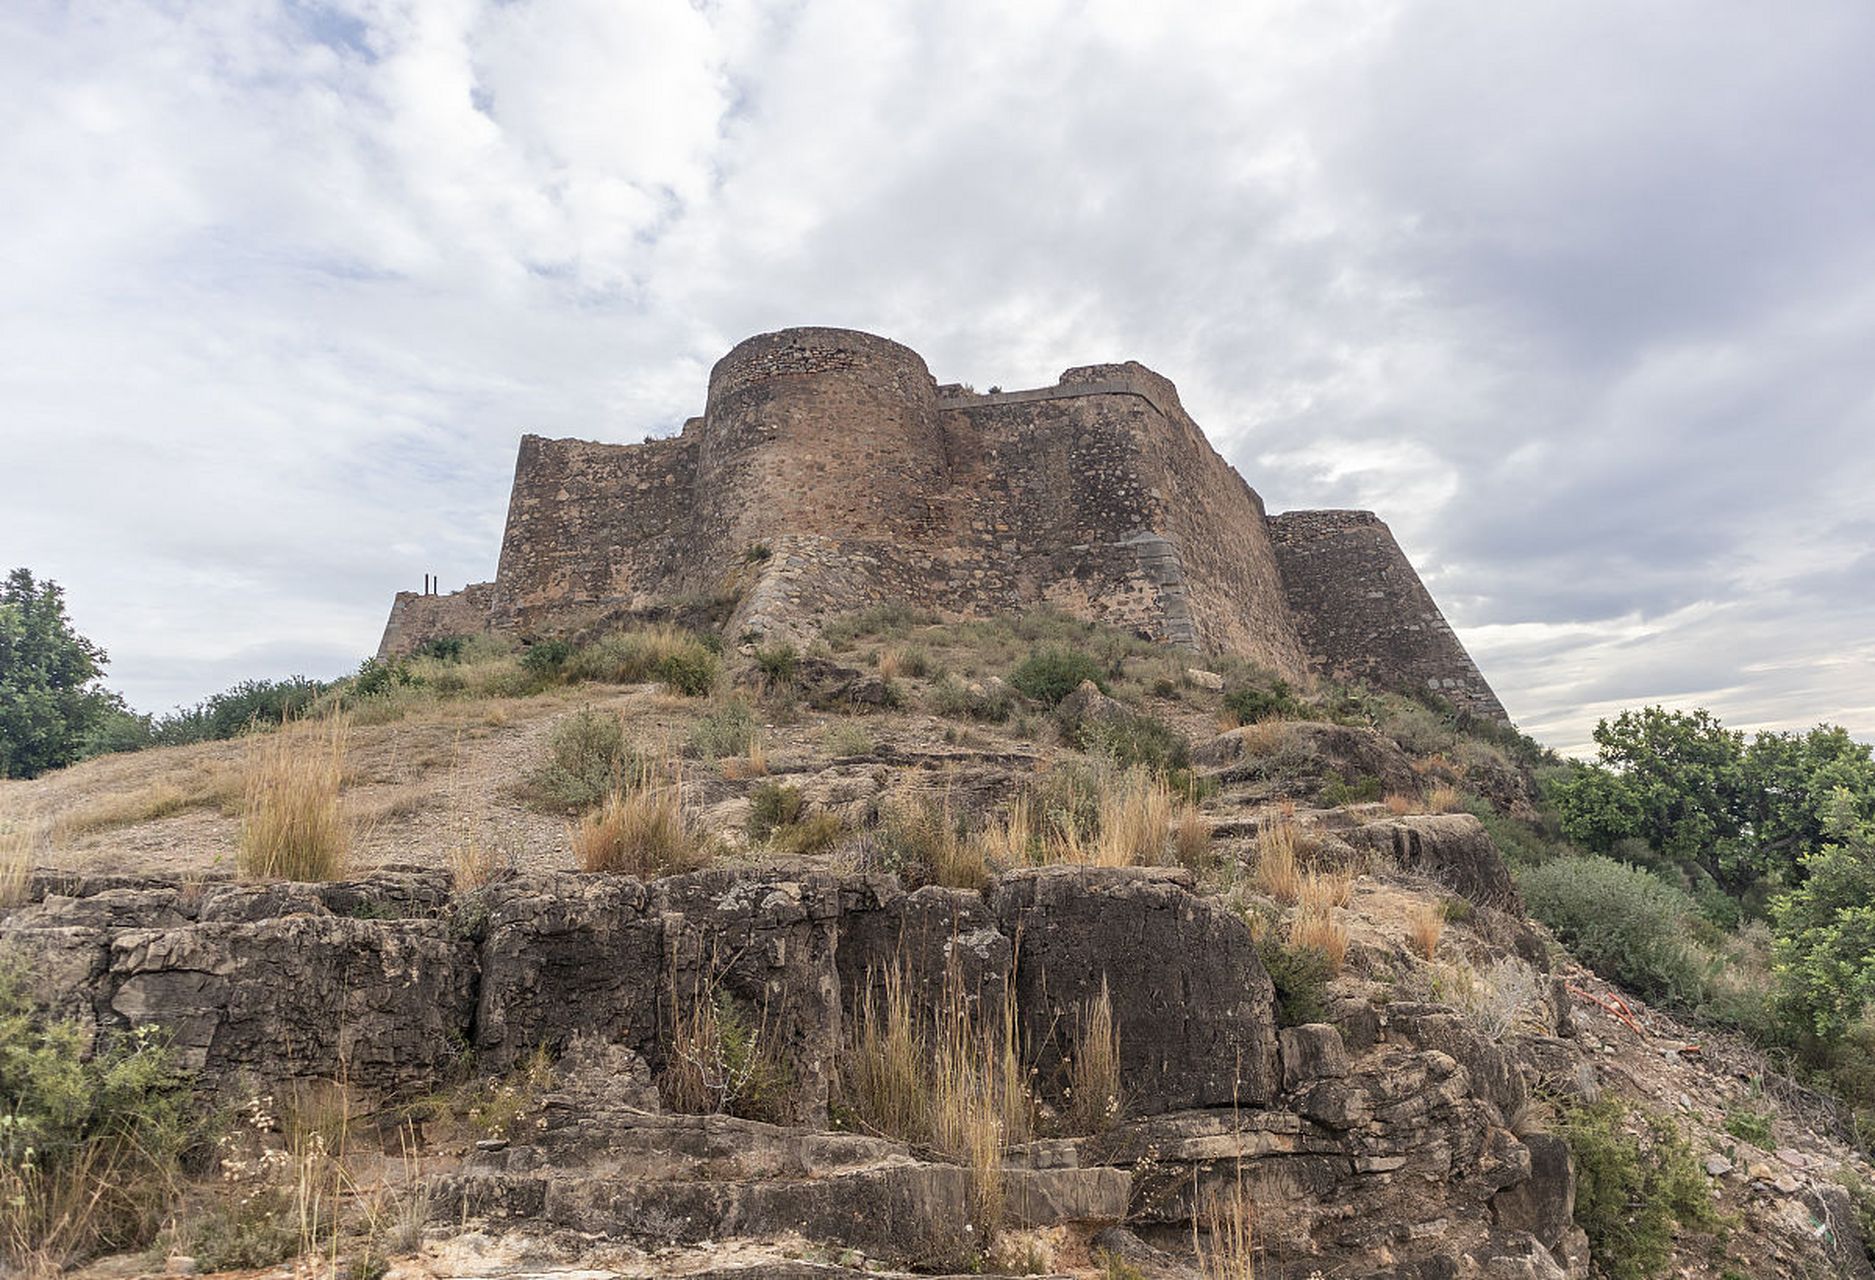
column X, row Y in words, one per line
column 1572, row 294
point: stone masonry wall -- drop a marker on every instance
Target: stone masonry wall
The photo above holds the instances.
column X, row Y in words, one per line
column 416, row 617
column 1363, row 611
column 866, row 482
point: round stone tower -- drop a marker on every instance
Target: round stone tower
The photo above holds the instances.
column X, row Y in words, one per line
column 818, row 433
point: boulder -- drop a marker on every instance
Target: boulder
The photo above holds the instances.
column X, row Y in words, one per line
column 1452, row 848
column 1194, row 1008
column 1544, row 1204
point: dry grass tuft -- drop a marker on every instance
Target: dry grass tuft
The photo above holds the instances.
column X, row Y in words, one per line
column 1093, row 1087
column 473, row 865
column 1226, row 1248
column 1425, row 923
column 1399, row 804
column 1011, row 841
column 1444, row 799
column 920, row 830
column 954, row 1084
column 641, row 833
column 891, row 663
column 1277, row 873
column 1191, row 837
column 21, row 840
column 1264, row 737
column 292, row 825
column 1135, row 819
column 1316, row 927
column 1320, row 890
column 722, row 1059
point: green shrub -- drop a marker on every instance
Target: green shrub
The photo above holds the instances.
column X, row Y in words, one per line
column 1363, row 789
column 1749, row 1125
column 588, row 758
column 757, row 552
column 728, row 729
column 1135, row 739
column 1300, row 976
column 778, row 663
column 544, row 658
column 91, row 1143
column 1272, row 701
column 772, row 805
column 991, row 703
column 1635, row 1183
column 816, row 833
column 1627, row 925
column 845, row 738
column 692, row 674
column 442, row 648
column 1049, row 675
column 878, row 620
column 245, row 1233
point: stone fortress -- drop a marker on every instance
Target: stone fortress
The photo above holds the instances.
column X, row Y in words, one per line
column 830, row 471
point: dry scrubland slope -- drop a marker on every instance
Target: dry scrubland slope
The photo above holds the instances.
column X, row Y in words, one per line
column 1404, row 1100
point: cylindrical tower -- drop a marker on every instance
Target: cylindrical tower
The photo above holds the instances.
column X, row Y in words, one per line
column 820, row 433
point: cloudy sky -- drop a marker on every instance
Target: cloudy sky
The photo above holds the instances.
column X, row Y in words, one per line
column 1578, row 294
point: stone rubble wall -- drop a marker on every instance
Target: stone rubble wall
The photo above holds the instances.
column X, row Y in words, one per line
column 416, row 617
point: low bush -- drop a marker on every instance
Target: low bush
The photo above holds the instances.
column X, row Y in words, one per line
column 442, row 648
column 1362, row 789
column 1135, row 739
column 1300, row 976
column 1627, row 925
column 727, row 729
column 772, row 805
column 779, row 664
column 92, row 1141
column 545, row 658
column 1636, row 1183
column 692, row 674
column 588, row 757
column 1274, row 700
column 846, row 738
column 1049, row 675
column 720, row 1058
column 639, row 654
column 816, row 833
column 991, row 702
column 1748, row 1124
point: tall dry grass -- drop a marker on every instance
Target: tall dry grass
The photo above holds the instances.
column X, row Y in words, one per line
column 1277, row 871
column 1223, row 1234
column 1320, row 890
column 1319, row 928
column 1425, row 924
column 1444, row 799
column 292, row 826
column 644, row 832
column 1094, row 1101
column 952, row 1081
column 921, row 831
column 21, row 839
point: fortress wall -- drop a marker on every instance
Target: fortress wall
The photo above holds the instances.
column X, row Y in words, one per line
column 820, row 433
column 594, row 522
column 1102, row 497
column 1363, row 611
column 416, row 617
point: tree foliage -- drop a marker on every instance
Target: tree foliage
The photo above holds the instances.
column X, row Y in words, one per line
column 49, row 697
column 1703, row 799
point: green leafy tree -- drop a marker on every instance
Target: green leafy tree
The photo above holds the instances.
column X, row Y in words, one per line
column 49, row 698
column 1825, row 929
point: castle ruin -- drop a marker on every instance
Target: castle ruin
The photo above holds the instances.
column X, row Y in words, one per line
column 830, row 471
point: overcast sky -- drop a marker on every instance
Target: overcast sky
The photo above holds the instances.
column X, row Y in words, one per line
column 1579, row 296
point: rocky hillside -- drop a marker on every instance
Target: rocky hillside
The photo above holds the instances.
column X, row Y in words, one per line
column 919, row 954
